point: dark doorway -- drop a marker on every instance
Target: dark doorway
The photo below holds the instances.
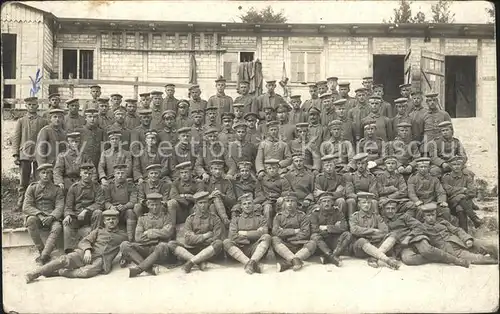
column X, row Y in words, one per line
column 9, row 42
column 460, row 86
column 389, row 70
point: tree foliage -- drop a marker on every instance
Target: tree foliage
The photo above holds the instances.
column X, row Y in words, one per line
column 266, row 15
column 403, row 14
column 491, row 13
column 441, row 12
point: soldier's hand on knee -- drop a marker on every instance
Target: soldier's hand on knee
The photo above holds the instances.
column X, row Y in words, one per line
column 47, row 220
column 67, row 220
column 87, row 257
column 469, row 243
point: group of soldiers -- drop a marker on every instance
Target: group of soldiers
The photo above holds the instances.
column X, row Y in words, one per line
column 162, row 180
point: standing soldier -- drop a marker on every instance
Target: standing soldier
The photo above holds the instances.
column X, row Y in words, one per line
column 336, row 145
column 417, row 116
column 220, row 100
column 113, row 156
column 54, row 103
column 359, row 112
column 383, row 123
column 301, row 182
column 145, row 100
column 291, row 235
column 347, row 127
column 83, row 210
column 401, row 115
column 181, row 201
column 67, row 167
column 168, row 134
column 269, row 115
column 183, row 119
column 94, row 255
column 104, row 118
column 405, row 91
column 245, row 98
column 317, row 131
column 50, row 141
column 73, row 120
column 131, row 118
column 322, row 87
column 329, row 230
column 314, row 101
column 369, row 231
column 368, row 85
column 183, row 150
column 248, row 238
column 157, row 109
column 153, row 232
column 433, row 117
column 240, row 150
column 212, row 118
column 92, row 137
column 268, row 99
column 286, row 130
column 212, row 150
column 227, row 133
column 197, row 128
column 170, row 102
column 239, row 112
column 253, row 134
column 95, row 93
column 385, row 109
column 301, row 145
column 121, row 195
column 272, row 148
column 297, row 114
column 203, row 231
column 119, row 125
column 344, row 89
column 360, row 181
column 195, row 101
column 43, row 208
column 327, row 108
column 331, row 182
column 137, row 139
column 24, row 145
column 149, row 155
column 115, row 102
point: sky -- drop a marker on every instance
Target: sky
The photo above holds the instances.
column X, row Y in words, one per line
column 359, row 11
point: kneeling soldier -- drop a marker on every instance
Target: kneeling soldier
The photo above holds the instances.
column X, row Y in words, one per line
column 202, row 235
column 291, row 234
column 248, row 236
column 369, row 231
column 329, row 229
column 153, row 231
column 43, row 206
column 94, row 255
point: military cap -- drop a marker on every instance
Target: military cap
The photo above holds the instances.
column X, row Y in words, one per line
column 154, row 196
column 86, row 166
column 200, row 195
column 103, row 100
column 365, row 195
column 217, row 162
column 386, row 158
column 369, row 123
column 211, row 108
column 120, row 166
column 423, row 159
column 145, row 94
column 400, row 100
column 244, row 82
column 169, row 84
column 445, row 124
column 360, row 156
column 90, row 111
column 119, row 109
column 73, row 135
column 328, row 157
column 335, row 123
column 184, row 130
column 143, row 112
column 227, row 115
column 155, row 92
column 359, row 90
column 250, row 114
column 302, row 125
column 295, row 97
column 313, row 85
column 314, row 110
column 114, row 132
column 386, row 200
column 416, row 92
column 456, row 159
column 183, row 165
column 210, row 131
column 131, row 100
column 325, row 194
column 115, row 94
column 271, row 82
column 405, row 85
column 428, row 207
column 220, row 79
column 289, row 195
column 347, row 84
column 431, row 95
column 245, row 196
column 95, row 86
column 45, row 166
column 283, row 108
column 183, row 101
column 271, row 161
column 56, row 111
column 193, row 87
column 367, row 78
column 340, row 102
column 54, row 95
column 240, row 125
column 238, row 105
column 298, row 154
column 272, row 123
column 71, row 101
column 150, row 132
column 153, row 167
column 168, row 113
column 332, row 78
column 325, row 95
column 404, row 125
column 244, row 164
column 268, row 106
column 321, row 82
column 378, row 86
column 197, row 111
column 375, row 97
column 111, row 212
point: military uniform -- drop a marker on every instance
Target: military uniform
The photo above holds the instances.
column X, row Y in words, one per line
column 356, row 115
column 170, row 103
column 312, row 159
column 132, row 119
column 73, row 122
column 313, row 102
column 317, row 133
column 272, row 149
column 157, row 117
column 244, row 186
column 227, row 197
column 431, row 120
column 417, row 123
column 373, row 146
column 383, row 123
column 181, row 195
column 148, row 187
column 91, row 142
column 125, row 134
column 248, row 100
column 183, row 121
column 67, row 168
column 240, row 151
column 360, row 224
column 150, row 157
column 441, row 151
column 137, row 135
column 340, row 148
column 198, row 104
column 405, row 151
column 302, row 183
column 49, row 143
column 297, row 115
column 222, row 102
column 359, row 182
column 397, row 120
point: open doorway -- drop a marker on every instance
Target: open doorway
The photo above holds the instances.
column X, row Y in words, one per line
column 9, row 42
column 389, row 70
column 460, row 86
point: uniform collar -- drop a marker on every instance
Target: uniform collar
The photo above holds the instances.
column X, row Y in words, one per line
column 456, row 175
column 220, row 94
column 289, row 213
column 153, row 216
column 248, row 215
column 363, row 174
column 153, row 186
column 185, row 184
column 201, row 214
column 119, row 185
column 31, row 115
column 84, row 184
column 365, row 214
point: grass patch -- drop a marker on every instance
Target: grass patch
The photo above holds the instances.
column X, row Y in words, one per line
column 10, row 218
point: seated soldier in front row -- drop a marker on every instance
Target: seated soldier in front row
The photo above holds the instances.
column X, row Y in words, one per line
column 202, row 235
column 94, row 255
column 248, row 239
column 154, row 230
column 43, row 207
column 329, row 229
column 291, row 234
column 369, row 231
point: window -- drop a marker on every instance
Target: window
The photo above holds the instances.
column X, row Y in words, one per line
column 231, row 63
column 79, row 62
column 306, row 66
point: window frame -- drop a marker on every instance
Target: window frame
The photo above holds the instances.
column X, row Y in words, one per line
column 94, row 61
column 306, row 52
column 232, row 51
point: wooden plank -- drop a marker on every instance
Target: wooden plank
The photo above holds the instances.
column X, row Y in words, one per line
column 432, row 55
column 430, row 71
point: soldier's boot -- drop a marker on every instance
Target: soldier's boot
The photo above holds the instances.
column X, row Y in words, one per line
column 375, row 252
column 385, row 247
column 326, row 252
column 46, row 269
column 469, row 207
column 50, row 244
column 268, row 213
column 172, row 208
column 33, row 226
column 433, row 254
column 261, row 248
column 148, row 265
column 249, row 267
column 282, row 266
column 236, row 253
column 182, row 253
column 343, row 243
column 297, row 264
column 131, row 225
column 303, row 254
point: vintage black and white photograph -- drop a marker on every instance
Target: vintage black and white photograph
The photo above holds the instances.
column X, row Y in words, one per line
column 229, row 156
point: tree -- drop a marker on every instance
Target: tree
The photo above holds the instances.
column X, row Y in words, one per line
column 441, row 12
column 491, row 13
column 402, row 14
column 266, row 15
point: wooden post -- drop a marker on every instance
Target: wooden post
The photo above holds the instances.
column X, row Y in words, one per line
column 136, row 88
